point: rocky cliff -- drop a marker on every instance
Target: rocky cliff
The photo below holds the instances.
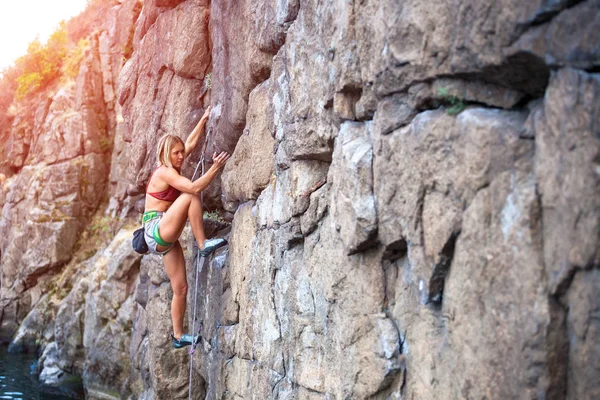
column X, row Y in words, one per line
column 413, row 203
column 58, row 295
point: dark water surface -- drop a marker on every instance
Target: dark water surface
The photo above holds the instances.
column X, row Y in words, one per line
column 18, row 381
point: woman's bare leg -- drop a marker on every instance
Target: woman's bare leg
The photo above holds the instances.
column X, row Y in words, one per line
column 175, row 266
column 196, row 216
column 173, row 222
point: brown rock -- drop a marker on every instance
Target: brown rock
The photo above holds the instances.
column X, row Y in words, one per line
column 49, row 209
column 173, row 68
column 475, row 91
column 242, row 57
column 167, row 3
column 318, row 207
column 393, row 112
column 239, row 64
column 497, row 255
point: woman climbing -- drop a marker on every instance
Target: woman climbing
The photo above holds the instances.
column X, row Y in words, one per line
column 170, row 200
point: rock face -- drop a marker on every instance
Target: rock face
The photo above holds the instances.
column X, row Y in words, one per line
column 90, row 333
column 163, row 87
column 56, row 188
column 60, row 155
column 405, row 232
column 413, row 194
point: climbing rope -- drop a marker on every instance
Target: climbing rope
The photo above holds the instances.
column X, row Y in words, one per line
column 199, row 265
column 201, row 162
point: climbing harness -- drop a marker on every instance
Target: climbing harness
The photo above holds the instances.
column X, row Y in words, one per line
column 199, row 265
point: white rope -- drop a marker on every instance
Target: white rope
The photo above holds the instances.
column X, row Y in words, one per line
column 201, row 162
column 199, row 260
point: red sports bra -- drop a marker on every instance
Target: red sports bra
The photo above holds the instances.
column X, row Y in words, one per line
column 170, row 194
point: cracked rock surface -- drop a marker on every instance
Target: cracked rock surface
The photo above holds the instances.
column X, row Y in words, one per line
column 414, row 198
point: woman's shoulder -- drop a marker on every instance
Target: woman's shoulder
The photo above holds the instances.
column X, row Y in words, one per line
column 164, row 171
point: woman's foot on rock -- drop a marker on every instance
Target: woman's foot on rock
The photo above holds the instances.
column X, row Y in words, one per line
column 185, row 340
column 211, row 245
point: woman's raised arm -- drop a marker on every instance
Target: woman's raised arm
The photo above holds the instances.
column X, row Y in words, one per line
column 192, row 140
column 183, row 184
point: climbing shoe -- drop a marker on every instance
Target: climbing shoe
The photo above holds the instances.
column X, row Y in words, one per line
column 185, row 340
column 211, row 245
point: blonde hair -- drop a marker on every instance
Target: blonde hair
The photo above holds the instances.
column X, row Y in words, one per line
column 165, row 145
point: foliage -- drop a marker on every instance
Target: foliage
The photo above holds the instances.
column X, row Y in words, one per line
column 208, row 81
column 42, row 64
column 60, row 56
column 106, row 145
column 8, row 85
column 457, row 104
column 214, row 215
column 74, row 58
column 100, row 230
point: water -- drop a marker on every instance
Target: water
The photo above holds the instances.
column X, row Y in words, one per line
column 18, row 380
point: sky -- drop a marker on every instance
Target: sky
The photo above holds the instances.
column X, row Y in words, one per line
column 22, row 20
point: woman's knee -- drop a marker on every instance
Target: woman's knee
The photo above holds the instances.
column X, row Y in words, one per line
column 180, row 289
column 188, row 198
column 195, row 199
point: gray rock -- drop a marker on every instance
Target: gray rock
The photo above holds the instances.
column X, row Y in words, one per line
column 28, row 335
column 352, row 200
column 567, row 40
column 250, row 168
column 583, row 334
column 53, row 376
column 567, row 170
column 465, row 260
column 288, row 193
column 318, row 207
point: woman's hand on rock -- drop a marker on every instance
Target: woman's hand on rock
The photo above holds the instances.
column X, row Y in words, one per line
column 206, row 114
column 219, row 160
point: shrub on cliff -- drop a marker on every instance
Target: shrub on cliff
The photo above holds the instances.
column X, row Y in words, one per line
column 74, row 58
column 42, row 64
